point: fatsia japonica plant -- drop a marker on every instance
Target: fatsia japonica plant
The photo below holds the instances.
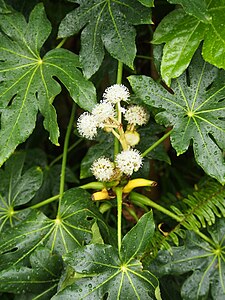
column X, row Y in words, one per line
column 112, row 143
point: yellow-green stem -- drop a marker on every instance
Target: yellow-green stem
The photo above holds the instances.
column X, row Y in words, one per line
column 61, row 43
column 156, row 143
column 119, row 198
column 64, row 159
column 146, row 201
column 118, row 81
column 119, row 72
column 45, row 202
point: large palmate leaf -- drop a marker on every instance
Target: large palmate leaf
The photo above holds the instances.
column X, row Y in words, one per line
column 100, row 273
column 17, row 188
column 195, row 110
column 108, row 24
column 204, row 262
column 65, row 233
column 197, row 9
column 182, row 34
column 27, row 79
column 39, row 278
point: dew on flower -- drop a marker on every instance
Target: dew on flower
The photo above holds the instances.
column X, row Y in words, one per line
column 116, row 93
column 102, row 112
column 87, row 125
column 136, row 115
column 103, row 169
column 129, row 161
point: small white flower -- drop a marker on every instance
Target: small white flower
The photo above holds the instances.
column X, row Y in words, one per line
column 103, row 169
column 116, row 93
column 129, row 161
column 102, row 112
column 87, row 125
column 136, row 115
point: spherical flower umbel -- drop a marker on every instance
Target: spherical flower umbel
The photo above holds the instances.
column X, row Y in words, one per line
column 87, row 125
column 103, row 169
column 136, row 115
column 116, row 93
column 129, row 161
column 103, row 111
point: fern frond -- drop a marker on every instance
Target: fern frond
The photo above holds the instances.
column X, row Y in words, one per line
column 195, row 212
column 203, row 206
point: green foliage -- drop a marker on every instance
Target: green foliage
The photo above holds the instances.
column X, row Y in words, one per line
column 204, row 262
column 195, row 109
column 98, row 270
column 105, row 24
column 40, row 278
column 156, row 233
column 198, row 10
column 71, row 229
column 27, row 83
column 183, row 32
column 200, row 209
column 17, row 188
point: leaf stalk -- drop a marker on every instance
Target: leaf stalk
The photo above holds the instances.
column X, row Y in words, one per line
column 156, row 143
column 64, row 159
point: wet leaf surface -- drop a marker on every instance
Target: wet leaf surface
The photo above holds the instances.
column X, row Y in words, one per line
column 205, row 264
column 105, row 24
column 99, row 271
column 195, row 109
column 28, row 79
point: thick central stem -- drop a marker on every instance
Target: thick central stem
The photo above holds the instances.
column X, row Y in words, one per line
column 118, row 191
column 118, row 81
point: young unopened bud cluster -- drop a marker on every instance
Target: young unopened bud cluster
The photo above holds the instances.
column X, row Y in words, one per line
column 126, row 162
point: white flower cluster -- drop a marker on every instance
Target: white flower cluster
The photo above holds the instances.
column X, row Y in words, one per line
column 108, row 115
column 127, row 162
column 104, row 112
column 116, row 93
column 103, row 169
column 136, row 115
column 88, row 123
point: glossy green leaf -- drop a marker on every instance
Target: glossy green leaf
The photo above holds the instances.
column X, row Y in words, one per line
column 182, row 34
column 74, row 227
column 17, row 188
column 204, row 262
column 213, row 49
column 65, row 233
column 137, row 239
column 197, row 9
column 27, row 83
column 195, row 109
column 17, row 243
column 99, row 273
column 40, row 278
column 148, row 3
column 105, row 24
